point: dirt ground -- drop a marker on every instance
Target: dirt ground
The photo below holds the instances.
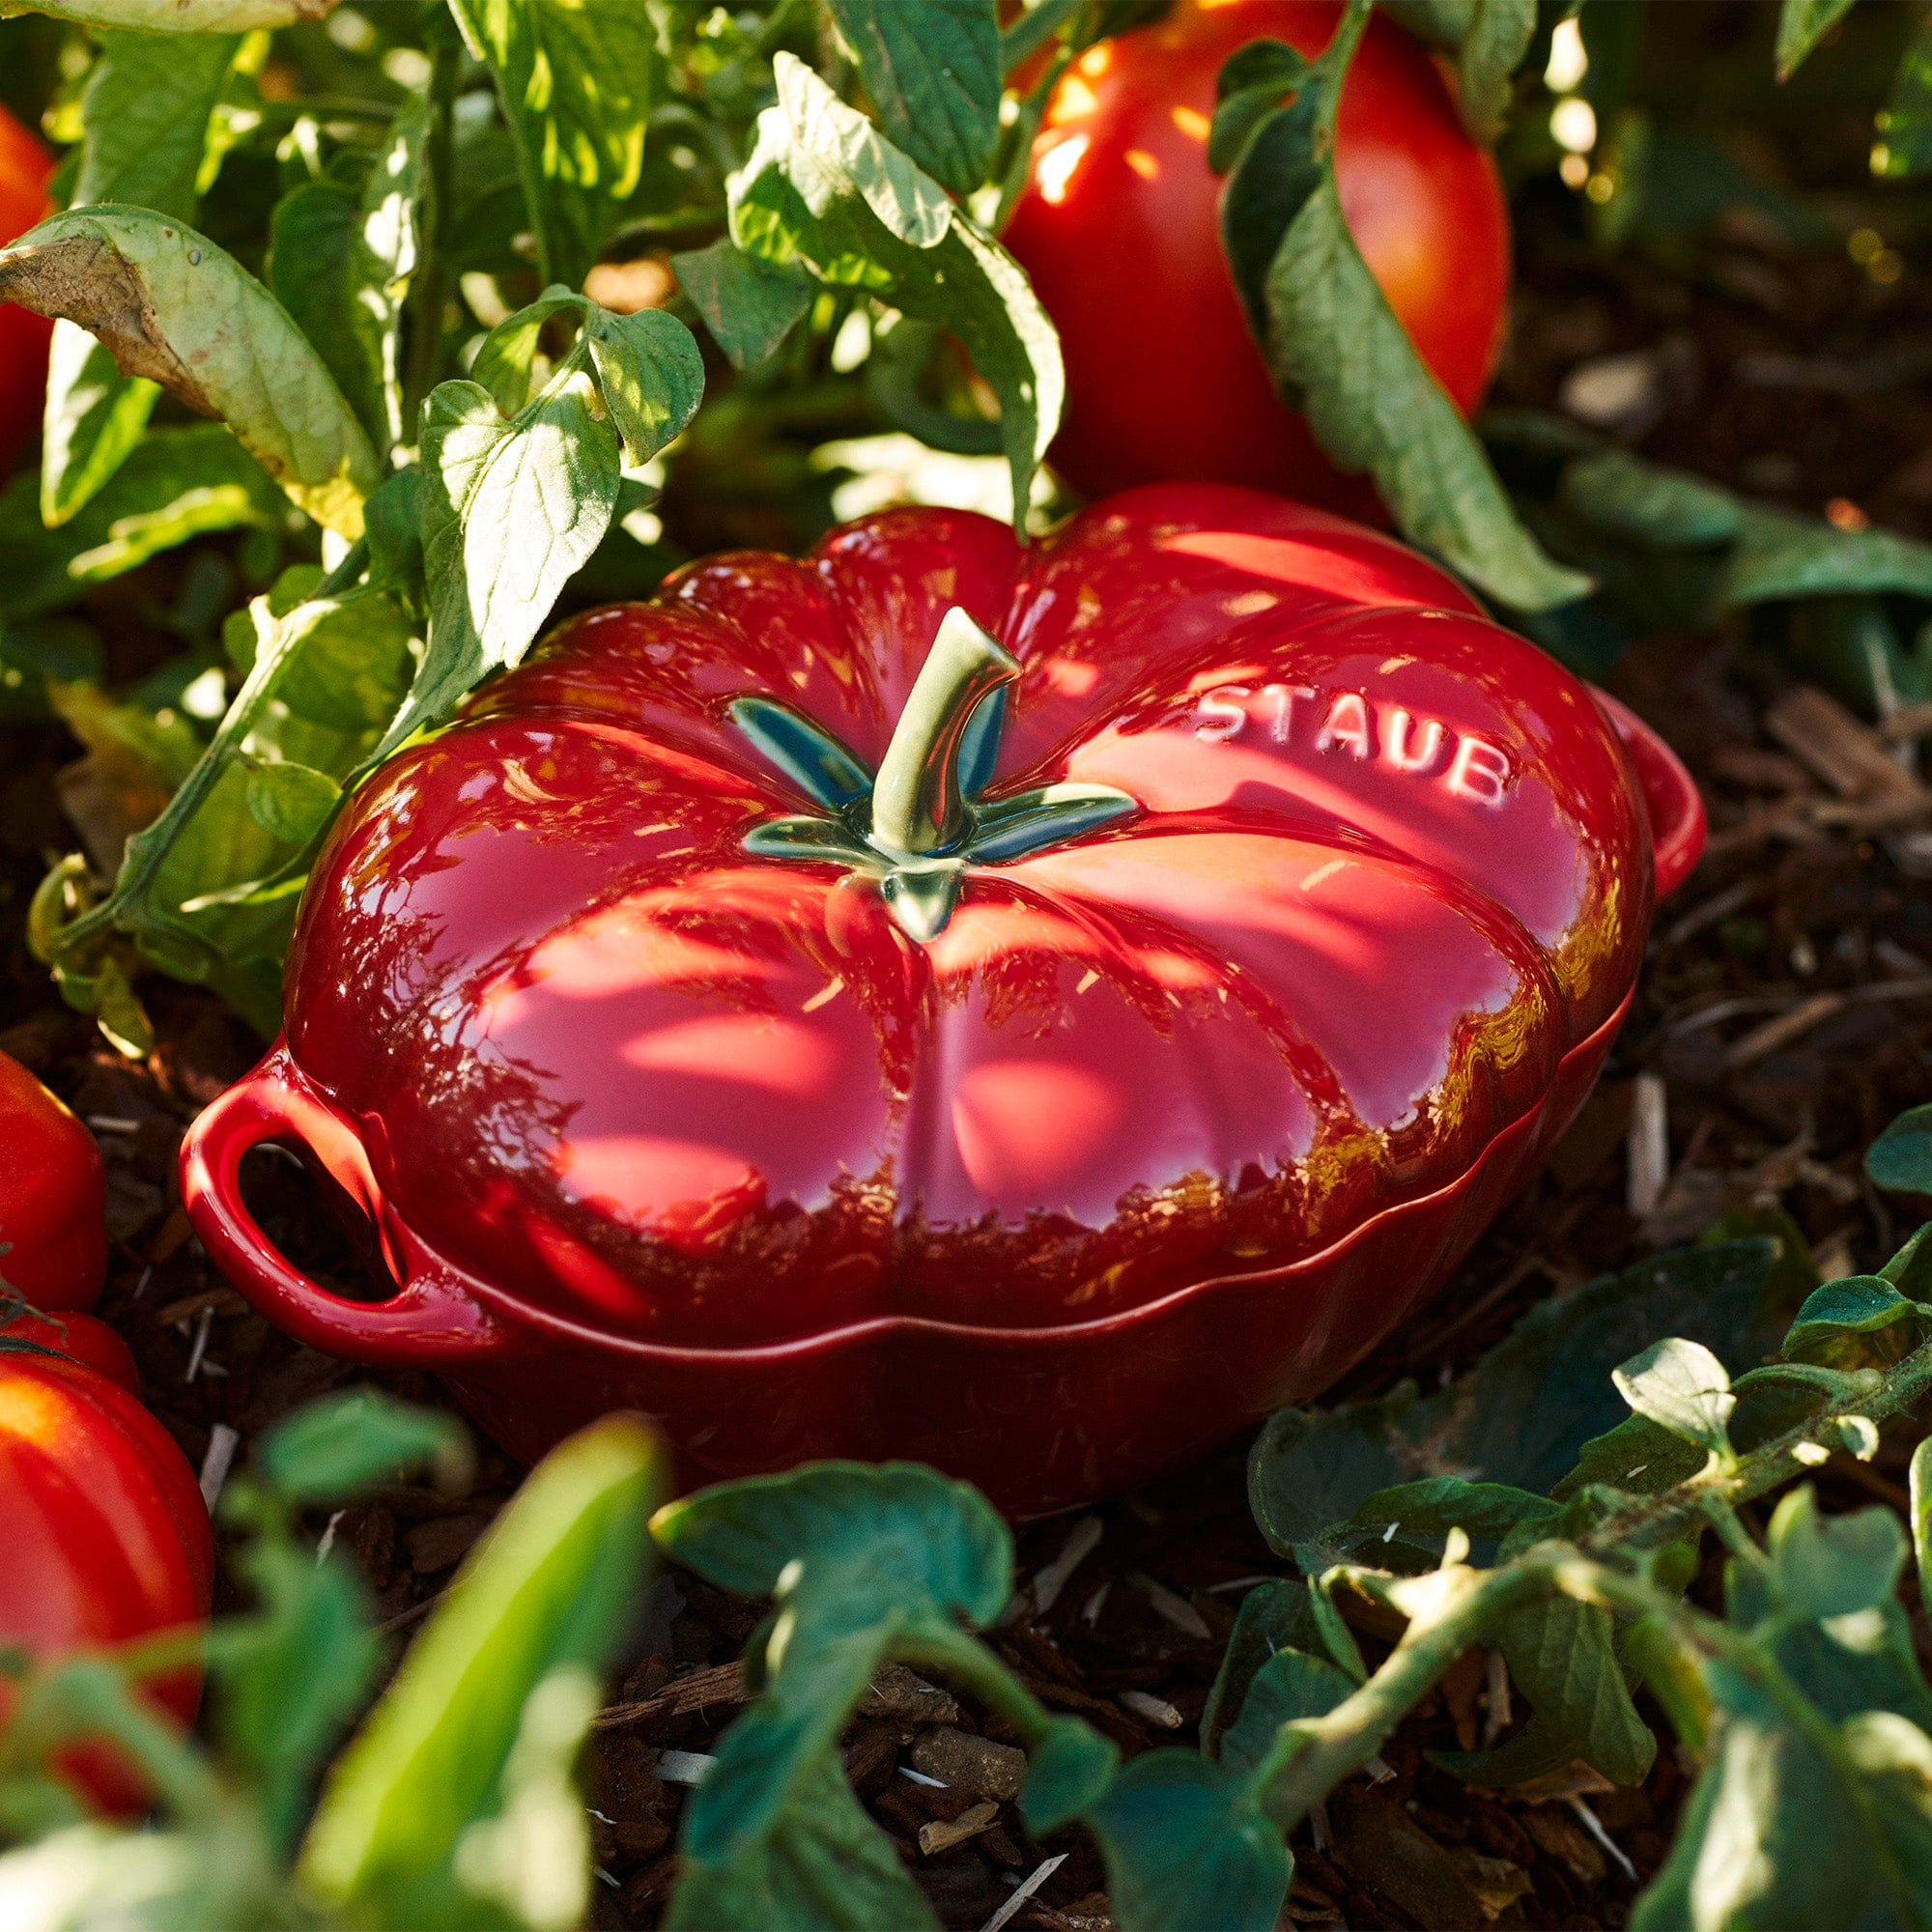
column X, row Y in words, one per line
column 1787, row 1006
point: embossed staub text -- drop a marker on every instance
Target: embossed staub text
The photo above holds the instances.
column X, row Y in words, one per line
column 1345, row 724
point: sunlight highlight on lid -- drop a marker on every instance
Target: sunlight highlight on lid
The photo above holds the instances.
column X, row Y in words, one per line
column 1287, row 561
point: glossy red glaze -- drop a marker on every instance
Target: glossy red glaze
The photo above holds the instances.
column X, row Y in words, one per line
column 53, row 1197
column 1167, row 1127
column 1119, row 231
column 24, row 168
column 104, row 1535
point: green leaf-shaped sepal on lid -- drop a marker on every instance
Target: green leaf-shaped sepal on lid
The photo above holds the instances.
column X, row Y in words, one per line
column 915, row 826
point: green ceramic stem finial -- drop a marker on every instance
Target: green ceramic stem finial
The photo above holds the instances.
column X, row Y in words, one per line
column 917, row 806
column 913, row 829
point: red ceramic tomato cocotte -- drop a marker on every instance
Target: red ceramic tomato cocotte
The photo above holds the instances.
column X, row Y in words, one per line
column 705, row 1031
column 1119, row 229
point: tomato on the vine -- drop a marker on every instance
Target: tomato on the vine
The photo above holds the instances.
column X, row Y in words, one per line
column 91, row 1343
column 105, row 1535
column 24, row 168
column 1119, row 229
column 53, row 1194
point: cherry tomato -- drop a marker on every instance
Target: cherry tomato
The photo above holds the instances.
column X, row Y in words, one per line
column 1119, row 229
column 88, row 1340
column 24, row 167
column 104, row 1534
column 53, row 1191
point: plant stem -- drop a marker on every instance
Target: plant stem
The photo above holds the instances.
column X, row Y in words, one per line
column 1647, row 1523
column 430, row 293
column 1312, row 1756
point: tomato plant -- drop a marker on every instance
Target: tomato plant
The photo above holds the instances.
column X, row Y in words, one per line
column 105, row 1532
column 1119, row 229
column 52, row 1197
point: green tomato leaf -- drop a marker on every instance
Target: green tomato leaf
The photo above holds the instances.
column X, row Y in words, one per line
column 513, row 504
column 1291, row 1685
column 1071, row 1770
column 176, row 485
column 1783, row 1395
column 510, row 510
column 1781, row 556
column 507, row 359
column 1253, row 82
column 93, row 418
column 1306, row 1472
column 1438, row 1504
column 651, row 373
column 934, row 75
column 859, row 1559
column 1274, row 1616
column 1187, row 1846
column 749, row 306
column 184, row 16
column 576, row 83
column 823, row 188
column 1523, row 1415
column 145, row 113
column 529, row 1867
column 1336, row 349
column 342, row 267
column 190, row 888
column 1643, row 503
column 332, row 1450
column 1901, row 1159
column 1334, row 340
column 823, row 1866
column 1681, row 1386
column 292, row 802
column 1562, row 1656
column 1747, row 1846
column 545, row 1591
column 1801, row 25
column 175, row 309
column 1861, row 1321
column 1488, row 39
column 289, row 1679
column 1826, row 1567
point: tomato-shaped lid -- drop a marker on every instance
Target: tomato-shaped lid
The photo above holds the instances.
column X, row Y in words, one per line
column 933, row 926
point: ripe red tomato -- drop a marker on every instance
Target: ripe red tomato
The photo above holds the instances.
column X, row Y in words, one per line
column 104, row 1534
column 24, row 168
column 1119, row 229
column 88, row 1340
column 53, row 1191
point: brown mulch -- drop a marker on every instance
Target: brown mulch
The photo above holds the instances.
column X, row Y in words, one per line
column 1787, row 1009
